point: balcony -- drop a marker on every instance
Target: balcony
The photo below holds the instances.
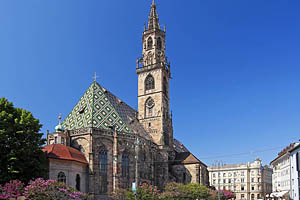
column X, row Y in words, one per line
column 142, row 67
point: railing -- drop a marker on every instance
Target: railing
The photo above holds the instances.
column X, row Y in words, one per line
column 141, row 67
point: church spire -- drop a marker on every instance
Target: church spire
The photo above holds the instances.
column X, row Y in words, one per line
column 153, row 20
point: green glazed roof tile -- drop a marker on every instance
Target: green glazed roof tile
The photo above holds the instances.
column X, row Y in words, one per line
column 101, row 107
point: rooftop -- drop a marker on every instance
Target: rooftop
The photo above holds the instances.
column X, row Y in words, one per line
column 59, row 151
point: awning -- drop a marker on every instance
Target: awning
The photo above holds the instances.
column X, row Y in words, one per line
column 278, row 194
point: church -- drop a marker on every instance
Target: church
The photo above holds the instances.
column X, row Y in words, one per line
column 103, row 144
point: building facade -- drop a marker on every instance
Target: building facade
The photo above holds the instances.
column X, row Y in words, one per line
column 67, row 165
column 120, row 145
column 295, row 172
column 247, row 181
column 281, row 177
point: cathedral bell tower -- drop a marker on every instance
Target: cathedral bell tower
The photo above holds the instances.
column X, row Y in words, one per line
column 153, row 72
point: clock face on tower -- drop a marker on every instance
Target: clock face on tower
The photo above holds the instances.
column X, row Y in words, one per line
column 150, row 103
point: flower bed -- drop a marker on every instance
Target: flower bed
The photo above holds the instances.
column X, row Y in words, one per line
column 40, row 189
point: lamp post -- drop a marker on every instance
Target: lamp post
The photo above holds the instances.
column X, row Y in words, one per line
column 115, row 158
column 136, row 148
column 219, row 165
column 234, row 186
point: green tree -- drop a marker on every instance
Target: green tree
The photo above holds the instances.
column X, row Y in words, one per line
column 20, row 144
column 196, row 191
column 192, row 191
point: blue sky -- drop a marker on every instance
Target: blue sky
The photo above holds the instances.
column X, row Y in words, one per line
column 235, row 66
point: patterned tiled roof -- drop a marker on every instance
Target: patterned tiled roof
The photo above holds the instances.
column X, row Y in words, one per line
column 99, row 108
column 59, row 151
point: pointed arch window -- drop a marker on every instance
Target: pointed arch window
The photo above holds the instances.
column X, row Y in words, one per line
column 142, row 158
column 61, row 177
column 159, row 43
column 125, row 169
column 125, row 164
column 149, row 43
column 103, row 165
column 149, row 82
column 78, row 182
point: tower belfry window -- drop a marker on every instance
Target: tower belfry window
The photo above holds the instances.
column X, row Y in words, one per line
column 165, row 86
column 149, row 82
column 159, row 44
column 150, row 111
column 150, row 43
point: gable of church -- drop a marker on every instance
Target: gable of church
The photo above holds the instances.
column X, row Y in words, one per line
column 186, row 158
column 191, row 159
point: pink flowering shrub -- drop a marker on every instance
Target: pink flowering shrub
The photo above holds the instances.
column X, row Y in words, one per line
column 123, row 194
column 214, row 194
column 173, row 191
column 146, row 191
column 227, row 194
column 13, row 189
column 224, row 194
column 41, row 189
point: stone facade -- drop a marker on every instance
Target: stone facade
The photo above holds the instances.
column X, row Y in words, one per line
column 152, row 164
column 188, row 169
column 122, row 145
column 247, row 181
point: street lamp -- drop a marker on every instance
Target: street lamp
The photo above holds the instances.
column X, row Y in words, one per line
column 136, row 148
column 137, row 143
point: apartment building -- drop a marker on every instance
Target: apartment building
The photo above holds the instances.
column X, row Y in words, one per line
column 248, row 181
column 295, row 172
column 281, row 177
